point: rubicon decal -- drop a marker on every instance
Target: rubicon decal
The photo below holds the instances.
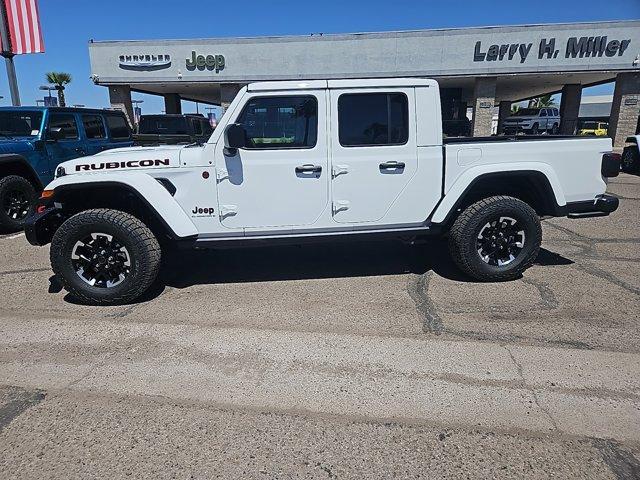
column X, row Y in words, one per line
column 128, row 164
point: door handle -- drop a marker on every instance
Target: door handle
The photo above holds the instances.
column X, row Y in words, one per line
column 308, row 168
column 392, row 165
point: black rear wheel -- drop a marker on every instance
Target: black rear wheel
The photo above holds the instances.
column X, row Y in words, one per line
column 105, row 257
column 496, row 238
column 631, row 159
column 17, row 201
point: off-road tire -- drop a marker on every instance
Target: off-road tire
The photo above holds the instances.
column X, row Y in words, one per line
column 465, row 230
column 8, row 185
column 138, row 239
column 535, row 129
column 630, row 160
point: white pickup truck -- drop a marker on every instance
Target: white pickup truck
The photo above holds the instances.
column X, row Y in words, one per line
column 317, row 160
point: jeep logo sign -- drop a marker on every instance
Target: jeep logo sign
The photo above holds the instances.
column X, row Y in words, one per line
column 209, row 62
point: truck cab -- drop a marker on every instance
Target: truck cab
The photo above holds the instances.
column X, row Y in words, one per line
column 35, row 140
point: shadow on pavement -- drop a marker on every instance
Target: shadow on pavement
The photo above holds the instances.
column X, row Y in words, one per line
column 185, row 268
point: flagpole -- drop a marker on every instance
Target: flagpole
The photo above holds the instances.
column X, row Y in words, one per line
column 8, row 57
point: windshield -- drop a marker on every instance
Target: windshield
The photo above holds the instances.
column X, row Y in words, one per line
column 163, row 125
column 526, row 112
column 590, row 125
column 20, row 124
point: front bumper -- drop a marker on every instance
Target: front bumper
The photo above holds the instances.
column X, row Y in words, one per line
column 40, row 227
column 601, row 206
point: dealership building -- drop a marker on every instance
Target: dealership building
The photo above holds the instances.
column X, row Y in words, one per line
column 477, row 68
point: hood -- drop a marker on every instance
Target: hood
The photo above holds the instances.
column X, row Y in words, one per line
column 126, row 159
column 15, row 145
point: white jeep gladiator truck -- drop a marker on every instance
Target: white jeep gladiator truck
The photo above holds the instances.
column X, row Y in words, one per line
column 317, row 160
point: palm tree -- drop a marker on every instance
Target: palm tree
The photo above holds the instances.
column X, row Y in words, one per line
column 541, row 102
column 59, row 80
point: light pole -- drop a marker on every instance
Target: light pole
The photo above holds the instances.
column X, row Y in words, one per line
column 137, row 111
column 49, row 88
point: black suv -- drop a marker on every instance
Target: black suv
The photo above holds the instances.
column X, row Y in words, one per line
column 172, row 129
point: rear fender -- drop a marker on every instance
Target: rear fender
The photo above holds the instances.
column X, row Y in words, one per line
column 146, row 188
column 466, row 180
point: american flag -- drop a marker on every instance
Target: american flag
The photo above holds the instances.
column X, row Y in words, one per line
column 23, row 22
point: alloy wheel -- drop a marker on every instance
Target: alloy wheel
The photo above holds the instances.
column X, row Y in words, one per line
column 16, row 204
column 500, row 241
column 101, row 261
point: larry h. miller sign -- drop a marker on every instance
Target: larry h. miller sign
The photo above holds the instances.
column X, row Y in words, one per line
column 574, row 48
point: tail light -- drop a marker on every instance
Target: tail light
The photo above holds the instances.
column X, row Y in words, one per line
column 611, row 164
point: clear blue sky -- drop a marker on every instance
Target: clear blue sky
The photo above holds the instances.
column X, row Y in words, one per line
column 68, row 26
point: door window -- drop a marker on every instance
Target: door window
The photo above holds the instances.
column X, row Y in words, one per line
column 93, row 126
column 366, row 119
column 280, row 122
column 67, row 123
column 118, row 127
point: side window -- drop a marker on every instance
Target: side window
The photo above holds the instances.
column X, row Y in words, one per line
column 118, row 127
column 543, row 113
column 280, row 122
column 67, row 123
column 93, row 126
column 556, row 113
column 373, row 119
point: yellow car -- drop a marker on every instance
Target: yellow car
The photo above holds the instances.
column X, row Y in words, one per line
column 598, row 129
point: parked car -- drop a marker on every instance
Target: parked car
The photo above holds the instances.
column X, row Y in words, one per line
column 631, row 155
column 172, row 129
column 35, row 140
column 315, row 161
column 594, row 129
column 533, row 121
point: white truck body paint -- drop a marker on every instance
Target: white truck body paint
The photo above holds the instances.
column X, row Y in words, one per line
column 257, row 192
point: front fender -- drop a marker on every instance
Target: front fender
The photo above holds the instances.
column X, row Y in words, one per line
column 145, row 187
column 466, row 180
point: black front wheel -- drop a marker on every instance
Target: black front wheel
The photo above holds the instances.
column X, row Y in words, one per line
column 496, row 238
column 17, row 201
column 105, row 257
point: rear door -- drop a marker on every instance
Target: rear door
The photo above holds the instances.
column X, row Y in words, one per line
column 280, row 179
column 373, row 151
column 95, row 132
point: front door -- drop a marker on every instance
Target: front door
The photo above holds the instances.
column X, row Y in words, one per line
column 280, row 179
column 68, row 147
column 373, row 152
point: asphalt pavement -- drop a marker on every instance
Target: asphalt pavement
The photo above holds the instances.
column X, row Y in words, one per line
column 370, row 360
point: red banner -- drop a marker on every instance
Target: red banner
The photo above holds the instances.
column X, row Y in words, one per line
column 23, row 23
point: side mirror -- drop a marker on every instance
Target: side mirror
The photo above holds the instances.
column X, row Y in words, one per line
column 55, row 134
column 235, row 137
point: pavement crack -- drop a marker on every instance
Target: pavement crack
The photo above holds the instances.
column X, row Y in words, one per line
column 25, row 270
column 623, row 464
column 20, row 400
column 607, row 277
column 533, row 392
column 549, row 300
column 418, row 288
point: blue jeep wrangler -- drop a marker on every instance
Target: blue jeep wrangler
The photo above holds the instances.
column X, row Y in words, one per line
column 35, row 140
